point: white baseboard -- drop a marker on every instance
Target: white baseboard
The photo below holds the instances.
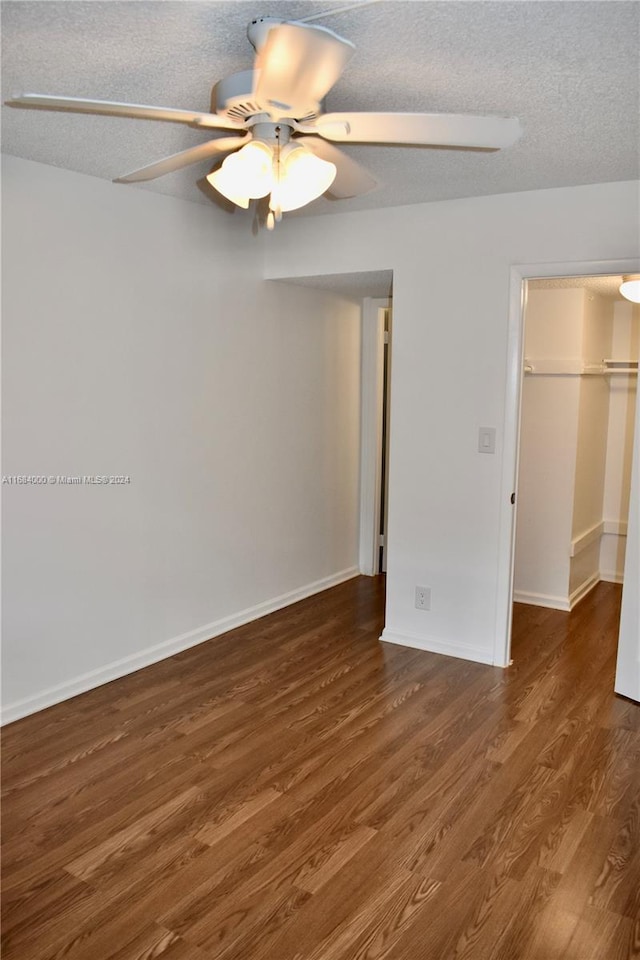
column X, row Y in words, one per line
column 585, row 587
column 168, row 648
column 541, row 600
column 433, row 645
column 611, row 576
column 566, row 604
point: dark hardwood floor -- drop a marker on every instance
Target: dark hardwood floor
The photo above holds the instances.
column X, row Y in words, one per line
column 296, row 790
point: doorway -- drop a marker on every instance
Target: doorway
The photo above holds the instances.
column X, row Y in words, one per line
column 629, row 646
column 577, row 416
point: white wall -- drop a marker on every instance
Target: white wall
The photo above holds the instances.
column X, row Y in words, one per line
column 622, row 408
column 451, row 264
column 140, row 339
column 591, row 452
column 548, row 447
column 553, row 330
column 548, row 444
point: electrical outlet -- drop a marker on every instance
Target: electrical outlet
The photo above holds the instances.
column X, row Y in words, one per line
column 423, row 598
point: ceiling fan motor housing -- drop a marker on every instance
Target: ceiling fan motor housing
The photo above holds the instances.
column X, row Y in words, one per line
column 235, row 98
column 258, row 30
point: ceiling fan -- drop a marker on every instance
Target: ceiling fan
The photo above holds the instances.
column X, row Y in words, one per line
column 282, row 143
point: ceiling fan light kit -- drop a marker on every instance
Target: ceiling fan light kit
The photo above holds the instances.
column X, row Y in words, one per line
column 282, row 142
column 291, row 175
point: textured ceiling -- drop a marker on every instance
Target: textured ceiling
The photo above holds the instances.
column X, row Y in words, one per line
column 605, row 286
column 379, row 283
column 353, row 286
column 569, row 70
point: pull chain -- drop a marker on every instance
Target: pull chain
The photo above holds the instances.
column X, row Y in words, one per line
column 275, row 213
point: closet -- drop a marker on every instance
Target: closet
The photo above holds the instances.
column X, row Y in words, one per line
column 576, row 440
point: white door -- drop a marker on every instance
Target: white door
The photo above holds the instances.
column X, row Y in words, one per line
column 628, row 664
column 374, row 407
column 386, row 416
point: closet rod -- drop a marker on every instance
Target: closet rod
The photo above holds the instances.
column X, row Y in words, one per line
column 620, row 366
column 530, row 371
column 603, row 369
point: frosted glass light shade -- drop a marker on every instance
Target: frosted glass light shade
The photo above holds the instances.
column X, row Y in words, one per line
column 245, row 175
column 255, row 164
column 249, row 174
column 630, row 288
column 303, row 178
column 227, row 184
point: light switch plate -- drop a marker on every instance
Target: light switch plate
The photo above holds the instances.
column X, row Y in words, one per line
column 487, row 440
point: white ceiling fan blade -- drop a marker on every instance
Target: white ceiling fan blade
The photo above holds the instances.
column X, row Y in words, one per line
column 298, row 65
column 420, row 129
column 133, row 110
column 178, row 160
column 351, row 180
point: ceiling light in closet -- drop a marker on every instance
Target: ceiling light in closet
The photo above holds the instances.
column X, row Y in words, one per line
column 630, row 288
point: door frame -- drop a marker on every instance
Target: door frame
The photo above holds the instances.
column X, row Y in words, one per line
column 520, row 273
column 372, row 391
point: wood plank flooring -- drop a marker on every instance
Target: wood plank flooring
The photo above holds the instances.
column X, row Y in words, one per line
column 295, row 790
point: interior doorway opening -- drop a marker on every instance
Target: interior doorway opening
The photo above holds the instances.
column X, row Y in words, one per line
column 577, row 416
column 627, row 680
